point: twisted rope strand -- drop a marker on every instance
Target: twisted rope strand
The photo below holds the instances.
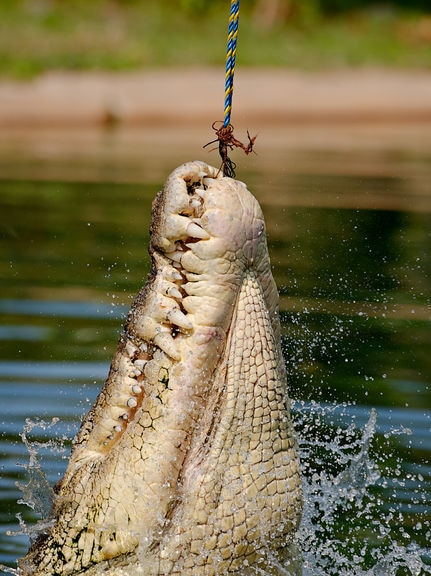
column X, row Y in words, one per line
column 230, row 59
column 224, row 131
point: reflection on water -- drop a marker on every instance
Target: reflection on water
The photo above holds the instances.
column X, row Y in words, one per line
column 351, row 252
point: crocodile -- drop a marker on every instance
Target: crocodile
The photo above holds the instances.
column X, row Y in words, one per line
column 188, row 462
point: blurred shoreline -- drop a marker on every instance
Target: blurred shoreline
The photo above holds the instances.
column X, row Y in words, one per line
column 193, row 96
column 134, row 127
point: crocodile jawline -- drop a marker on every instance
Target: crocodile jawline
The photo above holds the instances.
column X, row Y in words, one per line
column 187, row 463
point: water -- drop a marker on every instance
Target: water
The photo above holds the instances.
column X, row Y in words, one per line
column 350, row 242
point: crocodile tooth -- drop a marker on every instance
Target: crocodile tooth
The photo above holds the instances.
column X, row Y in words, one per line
column 171, row 274
column 194, row 203
column 118, row 428
column 130, row 381
column 140, row 364
column 197, row 232
column 131, row 348
column 192, row 277
column 136, row 389
column 132, row 402
column 173, row 292
column 165, row 341
column 176, row 256
column 179, row 319
column 200, row 192
column 175, row 226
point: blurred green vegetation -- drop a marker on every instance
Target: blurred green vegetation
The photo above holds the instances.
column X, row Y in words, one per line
column 39, row 35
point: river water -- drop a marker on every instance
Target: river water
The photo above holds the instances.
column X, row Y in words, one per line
column 350, row 240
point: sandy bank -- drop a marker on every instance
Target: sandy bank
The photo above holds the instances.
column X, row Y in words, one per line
column 192, row 96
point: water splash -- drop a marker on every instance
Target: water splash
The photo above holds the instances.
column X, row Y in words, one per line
column 347, row 528
column 37, row 492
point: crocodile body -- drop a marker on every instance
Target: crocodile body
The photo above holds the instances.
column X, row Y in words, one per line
column 187, row 463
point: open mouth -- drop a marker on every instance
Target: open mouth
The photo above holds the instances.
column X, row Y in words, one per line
column 200, row 248
column 162, row 316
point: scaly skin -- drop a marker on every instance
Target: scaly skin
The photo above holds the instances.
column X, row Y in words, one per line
column 187, row 463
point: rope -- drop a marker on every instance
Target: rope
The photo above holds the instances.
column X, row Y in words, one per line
column 230, row 59
column 224, row 130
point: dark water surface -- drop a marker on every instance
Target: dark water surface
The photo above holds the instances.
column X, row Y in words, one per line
column 350, row 242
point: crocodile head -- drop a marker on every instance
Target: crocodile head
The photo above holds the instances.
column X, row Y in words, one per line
column 187, row 463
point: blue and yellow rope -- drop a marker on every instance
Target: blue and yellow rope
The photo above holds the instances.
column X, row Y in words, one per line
column 225, row 138
column 230, row 59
